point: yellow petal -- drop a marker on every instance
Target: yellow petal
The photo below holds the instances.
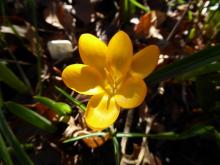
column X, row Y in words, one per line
column 145, row 61
column 119, row 55
column 92, row 51
column 131, row 93
column 101, row 112
column 83, row 78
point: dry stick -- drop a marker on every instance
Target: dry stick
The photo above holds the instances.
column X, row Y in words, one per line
column 177, row 24
column 124, row 140
column 144, row 151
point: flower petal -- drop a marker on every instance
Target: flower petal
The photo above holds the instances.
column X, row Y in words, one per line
column 145, row 61
column 83, row 78
column 119, row 55
column 131, row 93
column 92, row 51
column 101, row 112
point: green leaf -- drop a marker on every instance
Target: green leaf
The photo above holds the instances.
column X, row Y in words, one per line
column 4, row 154
column 139, row 5
column 13, row 142
column 192, row 33
column 58, row 107
column 213, row 67
column 185, row 65
column 9, row 78
column 73, row 139
column 1, row 99
column 196, row 130
column 130, row 135
column 116, row 150
column 30, row 116
column 75, row 102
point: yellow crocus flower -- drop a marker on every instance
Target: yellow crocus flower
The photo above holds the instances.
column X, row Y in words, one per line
column 112, row 75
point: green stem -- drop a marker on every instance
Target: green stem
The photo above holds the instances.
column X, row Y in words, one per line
column 12, row 140
column 137, row 4
column 115, row 144
column 76, row 102
column 4, row 152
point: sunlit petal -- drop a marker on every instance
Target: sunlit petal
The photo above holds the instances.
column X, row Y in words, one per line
column 83, row 78
column 145, row 61
column 101, row 112
column 132, row 93
column 92, row 51
column 119, row 55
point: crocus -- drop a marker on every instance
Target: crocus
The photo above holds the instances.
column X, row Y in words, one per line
column 112, row 75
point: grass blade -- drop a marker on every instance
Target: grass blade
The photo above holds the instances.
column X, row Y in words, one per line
column 4, row 154
column 116, row 150
column 137, row 4
column 13, row 142
column 197, row 130
column 58, row 107
column 9, row 78
column 1, row 99
column 130, row 135
column 187, row 64
column 30, row 116
column 75, row 102
column 73, row 139
column 199, row 71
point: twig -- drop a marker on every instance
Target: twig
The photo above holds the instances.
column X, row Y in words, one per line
column 124, row 140
column 144, row 151
column 177, row 23
column 126, row 130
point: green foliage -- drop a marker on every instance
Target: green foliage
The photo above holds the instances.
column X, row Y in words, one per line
column 4, row 154
column 1, row 99
column 84, row 136
column 185, row 65
column 30, row 116
column 203, row 70
column 9, row 78
column 196, row 130
column 116, row 150
column 139, row 5
column 74, row 101
column 13, row 142
column 58, row 107
column 212, row 24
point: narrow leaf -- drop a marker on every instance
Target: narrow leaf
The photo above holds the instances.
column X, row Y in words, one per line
column 203, row 130
column 59, row 107
column 187, row 64
column 213, row 67
column 13, row 142
column 4, row 154
column 1, row 99
column 137, row 4
column 30, row 116
column 9, row 78
column 197, row 130
column 75, row 102
column 73, row 139
column 116, row 150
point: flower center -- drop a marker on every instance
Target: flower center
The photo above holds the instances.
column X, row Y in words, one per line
column 112, row 83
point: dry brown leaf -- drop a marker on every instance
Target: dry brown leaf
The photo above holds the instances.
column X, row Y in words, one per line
column 95, row 141
column 143, row 27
